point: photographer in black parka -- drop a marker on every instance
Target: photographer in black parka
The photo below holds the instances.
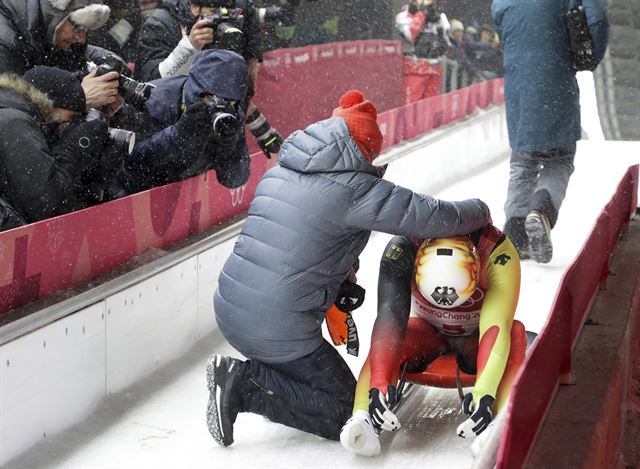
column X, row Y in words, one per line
column 49, row 155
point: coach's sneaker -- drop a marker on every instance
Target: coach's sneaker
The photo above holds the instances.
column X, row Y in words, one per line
column 224, row 375
column 359, row 436
column 539, row 234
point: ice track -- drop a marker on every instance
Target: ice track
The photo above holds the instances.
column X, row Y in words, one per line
column 160, row 422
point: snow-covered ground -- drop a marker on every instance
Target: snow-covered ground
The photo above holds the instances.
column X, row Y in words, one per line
column 160, row 422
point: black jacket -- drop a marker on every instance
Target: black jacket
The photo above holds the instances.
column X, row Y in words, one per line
column 32, row 179
column 9, row 216
column 162, row 32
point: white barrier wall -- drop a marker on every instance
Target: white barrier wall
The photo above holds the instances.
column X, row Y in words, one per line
column 449, row 153
column 53, row 378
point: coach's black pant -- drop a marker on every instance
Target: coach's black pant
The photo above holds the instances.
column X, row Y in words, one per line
column 313, row 393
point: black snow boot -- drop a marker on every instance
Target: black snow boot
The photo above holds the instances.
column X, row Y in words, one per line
column 514, row 229
column 539, row 234
column 225, row 377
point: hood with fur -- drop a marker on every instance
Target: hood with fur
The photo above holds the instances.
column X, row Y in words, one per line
column 24, row 97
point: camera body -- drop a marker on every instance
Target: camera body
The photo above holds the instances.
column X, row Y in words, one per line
column 224, row 119
column 134, row 92
column 580, row 40
column 227, row 29
column 123, row 140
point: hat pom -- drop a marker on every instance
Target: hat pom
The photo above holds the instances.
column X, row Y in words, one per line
column 351, row 98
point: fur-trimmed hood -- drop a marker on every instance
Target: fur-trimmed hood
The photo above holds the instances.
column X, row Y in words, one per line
column 24, row 97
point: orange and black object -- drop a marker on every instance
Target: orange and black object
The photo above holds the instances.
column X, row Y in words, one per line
column 342, row 329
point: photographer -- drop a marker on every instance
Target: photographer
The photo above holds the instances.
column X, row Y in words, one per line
column 543, row 112
column 171, row 39
column 190, row 124
column 49, row 156
column 54, row 33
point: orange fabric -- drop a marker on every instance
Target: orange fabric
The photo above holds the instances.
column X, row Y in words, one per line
column 360, row 115
column 337, row 325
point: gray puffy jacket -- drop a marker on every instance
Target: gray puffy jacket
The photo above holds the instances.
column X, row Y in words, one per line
column 309, row 221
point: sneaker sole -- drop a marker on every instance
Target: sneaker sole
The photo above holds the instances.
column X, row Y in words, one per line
column 540, row 247
column 213, row 416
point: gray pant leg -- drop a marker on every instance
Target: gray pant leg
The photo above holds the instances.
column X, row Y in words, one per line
column 523, row 176
column 556, row 169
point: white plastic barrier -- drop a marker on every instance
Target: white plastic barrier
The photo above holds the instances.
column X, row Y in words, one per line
column 54, row 377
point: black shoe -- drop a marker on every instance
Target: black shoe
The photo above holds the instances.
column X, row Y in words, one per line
column 514, row 229
column 539, row 234
column 223, row 380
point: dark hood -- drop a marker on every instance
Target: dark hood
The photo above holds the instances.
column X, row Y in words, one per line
column 165, row 100
column 218, row 72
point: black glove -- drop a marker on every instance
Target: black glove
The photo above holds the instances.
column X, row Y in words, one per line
column 380, row 409
column 195, row 121
column 480, row 415
column 79, row 150
column 272, row 143
column 350, row 296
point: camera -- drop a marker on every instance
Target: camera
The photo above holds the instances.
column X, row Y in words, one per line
column 134, row 92
column 227, row 29
column 123, row 140
column 223, row 118
column 580, row 40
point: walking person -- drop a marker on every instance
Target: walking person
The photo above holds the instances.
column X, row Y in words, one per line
column 543, row 112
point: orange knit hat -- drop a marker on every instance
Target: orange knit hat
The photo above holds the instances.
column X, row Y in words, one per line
column 360, row 115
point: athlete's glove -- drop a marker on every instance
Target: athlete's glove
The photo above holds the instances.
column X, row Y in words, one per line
column 350, row 296
column 379, row 408
column 480, row 415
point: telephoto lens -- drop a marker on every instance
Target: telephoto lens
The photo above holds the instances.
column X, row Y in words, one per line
column 135, row 92
column 123, row 140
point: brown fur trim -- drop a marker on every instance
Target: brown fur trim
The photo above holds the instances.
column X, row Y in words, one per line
column 16, row 83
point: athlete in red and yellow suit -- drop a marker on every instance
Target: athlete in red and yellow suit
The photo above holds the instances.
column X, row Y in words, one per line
column 482, row 331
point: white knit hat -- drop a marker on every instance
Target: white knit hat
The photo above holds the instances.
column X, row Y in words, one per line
column 91, row 17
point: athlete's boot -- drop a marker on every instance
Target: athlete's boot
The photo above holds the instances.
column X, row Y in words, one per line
column 359, row 436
